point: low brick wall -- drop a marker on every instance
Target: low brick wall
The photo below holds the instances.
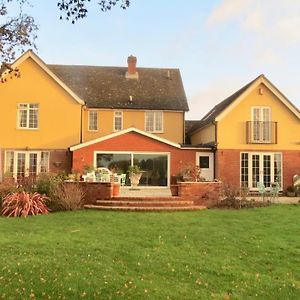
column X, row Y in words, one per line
column 202, row 193
column 95, row 190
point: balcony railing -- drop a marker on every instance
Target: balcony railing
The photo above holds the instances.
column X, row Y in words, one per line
column 261, row 132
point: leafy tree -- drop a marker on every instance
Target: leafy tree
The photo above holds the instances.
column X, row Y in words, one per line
column 19, row 32
column 77, row 9
column 16, row 32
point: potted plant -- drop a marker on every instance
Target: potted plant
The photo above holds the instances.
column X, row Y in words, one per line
column 134, row 175
column 88, row 173
column 190, row 173
column 290, row 191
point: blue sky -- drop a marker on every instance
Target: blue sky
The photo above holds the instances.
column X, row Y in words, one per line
column 219, row 46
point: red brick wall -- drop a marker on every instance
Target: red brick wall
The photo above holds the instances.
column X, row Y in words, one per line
column 202, row 193
column 291, row 166
column 134, row 142
column 95, row 190
column 60, row 160
column 228, row 165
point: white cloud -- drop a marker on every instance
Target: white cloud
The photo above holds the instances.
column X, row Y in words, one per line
column 279, row 20
column 227, row 11
column 254, row 21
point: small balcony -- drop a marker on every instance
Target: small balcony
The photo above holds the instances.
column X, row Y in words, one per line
column 258, row 132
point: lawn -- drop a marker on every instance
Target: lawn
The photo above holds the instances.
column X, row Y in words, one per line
column 210, row 254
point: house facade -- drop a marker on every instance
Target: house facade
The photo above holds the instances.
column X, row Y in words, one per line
column 62, row 118
column 256, row 136
column 65, row 117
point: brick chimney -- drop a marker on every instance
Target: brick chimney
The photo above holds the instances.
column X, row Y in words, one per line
column 132, row 73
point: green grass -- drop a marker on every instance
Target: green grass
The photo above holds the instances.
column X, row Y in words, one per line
column 211, row 254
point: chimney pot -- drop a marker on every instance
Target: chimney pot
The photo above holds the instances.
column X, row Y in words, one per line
column 131, row 72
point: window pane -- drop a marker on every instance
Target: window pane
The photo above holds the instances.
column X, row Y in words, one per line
column 20, row 164
column 277, row 168
column 149, row 121
column 154, row 169
column 23, row 118
column 118, row 120
column 93, row 120
column 158, row 121
column 255, row 170
column 9, row 162
column 33, row 118
column 204, row 162
column 119, row 163
column 267, row 170
column 44, row 162
column 244, row 170
column 32, row 164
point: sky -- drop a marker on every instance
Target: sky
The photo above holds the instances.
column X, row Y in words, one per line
column 218, row 45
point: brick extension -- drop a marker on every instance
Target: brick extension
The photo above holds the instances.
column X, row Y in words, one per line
column 228, row 166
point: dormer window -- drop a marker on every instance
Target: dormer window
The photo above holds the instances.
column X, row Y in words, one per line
column 28, row 115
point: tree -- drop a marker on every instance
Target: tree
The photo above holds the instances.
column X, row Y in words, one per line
column 19, row 32
column 77, row 9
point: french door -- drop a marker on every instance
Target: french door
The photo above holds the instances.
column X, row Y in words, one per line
column 24, row 163
column 261, row 130
column 260, row 167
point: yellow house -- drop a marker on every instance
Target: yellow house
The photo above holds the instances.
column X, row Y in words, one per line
column 255, row 134
column 46, row 109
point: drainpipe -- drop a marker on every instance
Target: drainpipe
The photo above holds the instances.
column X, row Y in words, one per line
column 215, row 146
column 1, row 165
column 183, row 142
column 81, row 123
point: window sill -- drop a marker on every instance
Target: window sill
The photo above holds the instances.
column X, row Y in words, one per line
column 25, row 128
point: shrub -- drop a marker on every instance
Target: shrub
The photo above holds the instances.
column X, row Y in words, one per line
column 22, row 204
column 46, row 183
column 7, row 187
column 67, row 196
column 241, row 203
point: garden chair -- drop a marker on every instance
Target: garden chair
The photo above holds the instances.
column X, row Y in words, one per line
column 261, row 190
column 123, row 179
column 274, row 191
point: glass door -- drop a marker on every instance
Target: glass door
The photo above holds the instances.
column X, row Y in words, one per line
column 261, row 167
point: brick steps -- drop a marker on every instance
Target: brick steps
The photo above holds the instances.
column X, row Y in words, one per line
column 132, row 208
column 170, row 199
column 146, row 203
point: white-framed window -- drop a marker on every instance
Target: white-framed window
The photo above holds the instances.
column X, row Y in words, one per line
column 262, row 126
column 26, row 163
column 118, row 120
column 28, row 115
column 93, row 120
column 154, row 121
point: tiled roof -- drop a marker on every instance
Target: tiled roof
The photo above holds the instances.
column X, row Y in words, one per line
column 107, row 87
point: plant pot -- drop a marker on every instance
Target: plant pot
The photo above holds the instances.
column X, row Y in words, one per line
column 135, row 179
column 174, row 189
column 291, row 194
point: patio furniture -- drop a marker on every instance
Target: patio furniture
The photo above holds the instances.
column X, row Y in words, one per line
column 261, row 190
column 274, row 191
column 122, row 179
